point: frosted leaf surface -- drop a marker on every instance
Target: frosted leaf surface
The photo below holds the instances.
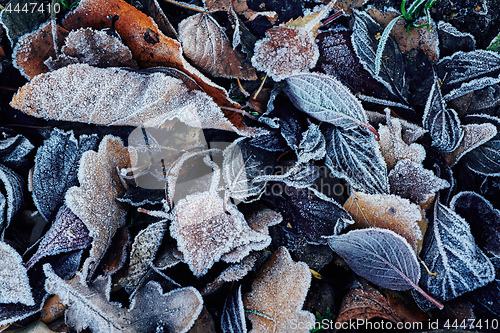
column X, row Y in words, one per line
column 388, row 212
column 312, row 147
column 394, row 148
column 443, row 124
column 205, row 231
column 67, row 233
column 143, row 252
column 18, row 23
column 14, row 149
column 240, row 7
column 205, row 43
column 411, row 181
column 36, row 327
column 94, row 201
column 11, row 196
column 260, row 220
column 279, row 292
column 285, row 51
column 56, row 166
column 326, row 99
column 15, row 286
column 452, row 252
column 95, row 48
column 114, row 96
column 153, row 311
column 355, row 156
column 233, row 313
column 381, row 256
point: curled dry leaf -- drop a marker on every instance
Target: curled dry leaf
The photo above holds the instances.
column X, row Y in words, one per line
column 205, row 43
column 32, row 50
column 14, row 149
column 240, row 7
column 96, row 48
column 389, row 212
column 278, row 292
column 11, row 196
column 88, row 94
column 13, row 277
column 94, row 201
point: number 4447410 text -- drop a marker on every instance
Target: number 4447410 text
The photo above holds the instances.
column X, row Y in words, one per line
column 33, row 7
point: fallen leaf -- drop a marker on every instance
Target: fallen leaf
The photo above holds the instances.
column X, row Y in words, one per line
column 18, row 23
column 92, row 47
column 13, row 277
column 36, row 327
column 452, row 40
column 32, row 50
column 278, row 293
column 205, row 43
column 94, row 201
column 240, row 7
column 204, row 323
column 116, row 255
column 389, row 212
column 348, row 5
column 81, row 93
column 153, row 9
column 67, row 233
column 55, row 171
column 11, row 196
column 52, row 309
column 485, row 298
column 233, row 313
column 15, row 150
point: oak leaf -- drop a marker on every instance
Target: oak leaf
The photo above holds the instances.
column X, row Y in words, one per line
column 278, row 292
column 94, row 201
column 205, row 43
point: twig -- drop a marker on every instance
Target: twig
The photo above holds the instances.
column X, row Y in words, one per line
column 243, row 112
column 260, row 88
column 185, row 5
column 242, row 89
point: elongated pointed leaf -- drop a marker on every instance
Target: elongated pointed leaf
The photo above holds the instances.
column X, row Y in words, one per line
column 326, row 99
column 355, row 156
column 443, row 124
column 233, row 313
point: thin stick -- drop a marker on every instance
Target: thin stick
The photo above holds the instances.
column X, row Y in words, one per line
column 8, row 88
column 243, row 112
column 242, row 89
column 331, row 18
column 260, row 88
column 184, row 5
column 54, row 27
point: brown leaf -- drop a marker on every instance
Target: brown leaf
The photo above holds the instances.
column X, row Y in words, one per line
column 204, row 323
column 348, row 5
column 33, row 49
column 240, row 7
column 205, row 43
column 278, row 293
column 366, row 302
column 92, row 47
column 389, row 212
column 82, row 93
column 94, row 201
column 408, row 313
column 52, row 309
column 116, row 254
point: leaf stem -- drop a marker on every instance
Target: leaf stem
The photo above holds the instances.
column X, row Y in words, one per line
column 184, row 5
column 439, row 305
column 243, row 112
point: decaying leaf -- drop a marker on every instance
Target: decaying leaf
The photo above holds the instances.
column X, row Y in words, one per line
column 278, row 293
column 15, row 286
column 205, row 43
column 55, row 171
column 116, row 255
column 14, row 149
column 233, row 313
column 389, row 212
column 11, row 196
column 33, row 49
column 113, row 96
column 92, row 47
column 240, row 7
column 94, row 201
column 67, row 233
column 452, row 252
column 411, row 181
column 143, row 252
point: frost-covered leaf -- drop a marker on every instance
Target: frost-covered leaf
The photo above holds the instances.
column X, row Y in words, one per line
column 233, row 313
column 326, row 99
column 312, row 147
column 452, row 40
column 485, row 159
column 153, row 311
column 81, row 93
column 67, row 233
column 278, row 293
column 309, row 215
column 394, row 148
column 355, row 156
column 443, row 124
column 240, row 7
column 388, row 212
column 450, row 251
column 56, row 166
column 152, row 9
column 365, row 43
column 92, row 47
column 205, row 43
column 94, row 201
column 13, row 277
column 381, row 256
column 18, row 23
column 143, row 252
column 411, row 181
column 14, row 149
column 483, row 218
column 241, row 166
column 36, row 327
column 485, row 299
column 206, row 228
column 11, row 196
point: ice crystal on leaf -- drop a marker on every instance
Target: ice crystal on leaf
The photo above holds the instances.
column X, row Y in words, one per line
column 15, row 286
column 11, row 196
column 240, row 7
column 279, row 292
column 94, row 201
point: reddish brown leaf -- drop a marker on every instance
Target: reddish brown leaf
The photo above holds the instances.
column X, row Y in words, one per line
column 115, row 257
